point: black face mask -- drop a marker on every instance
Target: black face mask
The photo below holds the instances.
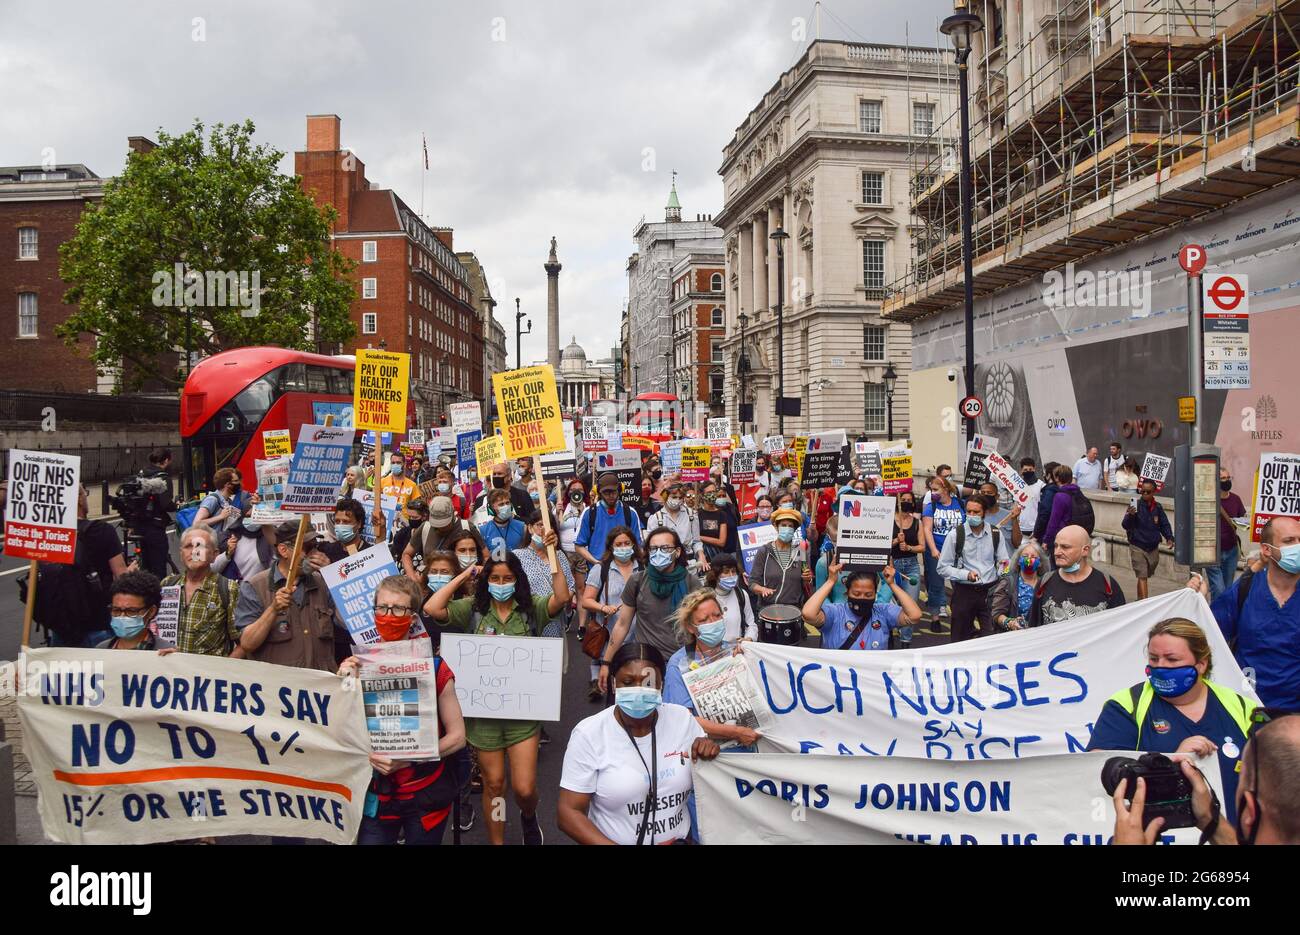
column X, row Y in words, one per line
column 907, row 506
column 1029, row 476
column 1225, row 485
column 861, row 607
column 498, row 482
column 234, row 490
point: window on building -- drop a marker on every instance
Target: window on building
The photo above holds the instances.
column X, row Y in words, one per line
column 27, row 242
column 717, row 317
column 369, row 251
column 922, row 119
column 27, row 314
column 873, row 409
column 369, row 287
column 715, row 283
column 715, row 385
column 869, row 116
column 873, row 188
column 873, row 343
column 873, row 264
column 369, row 322
column 715, row 351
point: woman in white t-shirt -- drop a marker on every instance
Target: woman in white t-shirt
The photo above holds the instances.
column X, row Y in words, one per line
column 627, row 770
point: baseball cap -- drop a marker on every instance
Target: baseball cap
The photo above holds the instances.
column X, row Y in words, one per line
column 441, row 513
column 288, row 532
column 607, row 481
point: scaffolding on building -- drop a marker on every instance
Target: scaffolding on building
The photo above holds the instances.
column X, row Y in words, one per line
column 1114, row 120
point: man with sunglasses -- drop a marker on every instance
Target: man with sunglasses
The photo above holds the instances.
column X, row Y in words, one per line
column 1268, row 797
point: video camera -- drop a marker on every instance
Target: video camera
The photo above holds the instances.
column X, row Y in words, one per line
column 1168, row 794
column 135, row 500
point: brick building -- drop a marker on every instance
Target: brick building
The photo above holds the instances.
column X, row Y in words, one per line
column 413, row 294
column 698, row 309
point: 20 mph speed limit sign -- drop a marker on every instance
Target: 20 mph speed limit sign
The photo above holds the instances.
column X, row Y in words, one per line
column 972, row 407
column 1226, row 331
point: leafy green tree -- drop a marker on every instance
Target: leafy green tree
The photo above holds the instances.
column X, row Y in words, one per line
column 251, row 248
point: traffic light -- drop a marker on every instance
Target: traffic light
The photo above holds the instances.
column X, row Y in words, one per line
column 442, row 419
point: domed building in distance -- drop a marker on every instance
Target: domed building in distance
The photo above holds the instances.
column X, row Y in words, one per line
column 579, row 382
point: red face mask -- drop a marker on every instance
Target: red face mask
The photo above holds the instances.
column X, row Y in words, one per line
column 392, row 627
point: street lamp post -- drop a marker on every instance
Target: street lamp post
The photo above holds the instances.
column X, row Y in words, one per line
column 519, row 360
column 742, row 368
column 780, row 236
column 961, row 27
column 891, row 380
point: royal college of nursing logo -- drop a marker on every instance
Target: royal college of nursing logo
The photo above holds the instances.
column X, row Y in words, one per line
column 851, row 507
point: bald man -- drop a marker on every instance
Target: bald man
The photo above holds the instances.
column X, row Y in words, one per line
column 1075, row 588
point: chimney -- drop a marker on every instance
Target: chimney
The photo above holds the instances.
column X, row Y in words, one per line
column 139, row 145
column 323, row 132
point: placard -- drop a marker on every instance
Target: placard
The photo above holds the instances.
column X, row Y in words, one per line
column 399, row 689
column 467, row 450
column 821, row 464
column 753, row 537
column 276, row 442
column 381, row 389
column 744, row 463
column 595, row 432
column 896, row 470
column 514, row 678
column 319, row 462
column 719, row 429
column 1008, row 477
column 866, row 458
column 797, row 448
column 977, row 471
column 530, row 411
column 1278, row 493
column 866, row 531
column 1156, row 468
column 41, row 506
column 387, row 508
column 123, row 753
column 670, row 456
column 352, row 583
column 696, row 460
column 465, row 417
column 490, row 452
column 626, row 466
column 167, row 621
column 415, row 438
column 774, row 444
column 560, row 465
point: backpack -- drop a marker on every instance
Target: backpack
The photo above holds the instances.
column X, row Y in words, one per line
column 961, row 543
column 1042, row 586
column 71, row 600
column 1243, row 592
column 591, row 521
column 1081, row 512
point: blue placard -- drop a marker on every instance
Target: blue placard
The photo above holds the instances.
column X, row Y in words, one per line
column 342, row 413
column 368, row 438
column 465, row 442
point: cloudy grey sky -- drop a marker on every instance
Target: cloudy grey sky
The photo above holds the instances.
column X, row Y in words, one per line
column 538, row 113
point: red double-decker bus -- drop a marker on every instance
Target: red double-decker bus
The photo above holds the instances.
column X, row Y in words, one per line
column 230, row 399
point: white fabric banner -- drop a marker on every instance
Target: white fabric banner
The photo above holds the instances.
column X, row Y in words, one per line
column 1018, row 694
column 136, row 748
column 754, row 798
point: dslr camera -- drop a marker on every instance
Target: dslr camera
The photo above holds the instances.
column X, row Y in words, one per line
column 135, row 499
column 1169, row 794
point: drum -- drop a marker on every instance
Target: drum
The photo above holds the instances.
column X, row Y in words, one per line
column 780, row 623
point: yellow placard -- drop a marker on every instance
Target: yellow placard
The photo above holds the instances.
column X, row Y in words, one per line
column 696, row 460
column 381, row 388
column 797, row 447
column 489, row 451
column 1187, row 409
column 276, row 442
column 896, row 473
column 530, row 410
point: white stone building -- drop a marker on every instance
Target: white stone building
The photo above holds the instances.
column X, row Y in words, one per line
column 824, row 156
column 578, row 382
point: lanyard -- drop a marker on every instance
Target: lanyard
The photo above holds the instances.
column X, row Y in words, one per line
column 652, row 797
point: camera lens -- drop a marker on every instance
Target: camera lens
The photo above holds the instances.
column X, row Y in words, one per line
column 1116, row 770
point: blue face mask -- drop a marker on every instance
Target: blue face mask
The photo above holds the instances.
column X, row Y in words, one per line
column 396, row 470
column 345, row 534
column 538, row 542
column 1072, row 568
column 721, row 501
column 661, row 558
column 252, row 526
column 127, row 627
column 501, row 592
column 444, row 488
column 975, row 521
column 711, row 634
column 466, row 560
column 505, row 512
column 623, row 553
column 438, row 581
column 1170, row 683
column 535, row 495
column 785, row 534
column 728, row 582
column 637, row 702
column 1288, row 559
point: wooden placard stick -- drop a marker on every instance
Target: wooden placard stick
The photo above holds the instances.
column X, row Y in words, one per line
column 544, row 505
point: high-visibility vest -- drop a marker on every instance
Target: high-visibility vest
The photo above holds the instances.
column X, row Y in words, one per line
column 1136, row 701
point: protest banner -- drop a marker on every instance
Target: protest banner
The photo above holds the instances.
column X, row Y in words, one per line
column 866, row 458
column 1010, row 479
column 137, row 748
column 530, row 410
column 743, row 465
column 465, row 417
column 896, row 470
column 560, row 465
column 276, row 442
column 1024, row 693
column 489, row 452
column 467, row 450
column 821, row 462
column 719, row 429
column 595, row 431
column 352, row 583
column 1155, row 468
column 774, row 444
column 747, row 500
column 516, row 678
column 640, row 442
column 41, row 507
column 168, row 619
column 1278, row 490
column 797, row 447
column 415, row 437
column 320, row 460
column 626, row 466
column 696, row 460
column 977, row 451
column 724, row 691
column 752, row 538
column 788, row 799
column 747, row 441
column 399, row 691
column 670, row 456
column 381, row 389
column 866, row 531
column 387, row 506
